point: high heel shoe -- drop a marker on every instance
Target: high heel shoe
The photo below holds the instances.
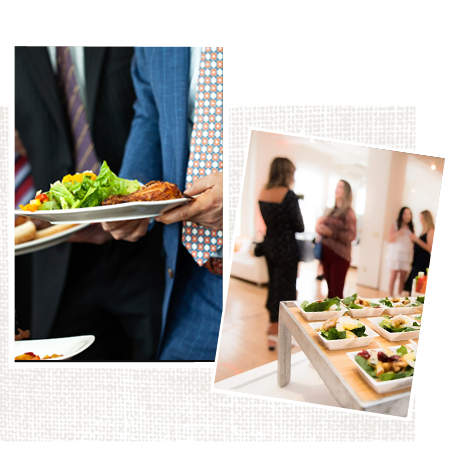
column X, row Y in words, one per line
column 272, row 341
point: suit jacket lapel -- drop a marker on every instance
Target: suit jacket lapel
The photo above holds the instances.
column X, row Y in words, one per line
column 39, row 63
column 93, row 60
column 175, row 79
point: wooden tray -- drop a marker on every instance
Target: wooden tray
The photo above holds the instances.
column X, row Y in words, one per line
column 335, row 367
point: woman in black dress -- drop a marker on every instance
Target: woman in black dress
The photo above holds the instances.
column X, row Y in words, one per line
column 422, row 248
column 281, row 213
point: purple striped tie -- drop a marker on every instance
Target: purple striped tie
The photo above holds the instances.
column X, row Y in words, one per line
column 85, row 157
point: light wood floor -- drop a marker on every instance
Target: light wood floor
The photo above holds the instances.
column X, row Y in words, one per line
column 243, row 343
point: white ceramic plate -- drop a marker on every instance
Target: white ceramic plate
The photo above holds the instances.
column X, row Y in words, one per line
column 68, row 347
column 382, row 387
column 402, row 309
column 366, row 312
column 322, row 315
column 394, row 336
column 49, row 241
column 109, row 213
column 341, row 344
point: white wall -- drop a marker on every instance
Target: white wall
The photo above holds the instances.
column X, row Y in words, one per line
column 371, row 246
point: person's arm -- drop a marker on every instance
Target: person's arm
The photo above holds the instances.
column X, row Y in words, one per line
column 392, row 234
column 296, row 217
column 349, row 233
column 425, row 245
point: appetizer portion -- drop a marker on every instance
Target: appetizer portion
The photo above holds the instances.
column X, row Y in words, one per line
column 354, row 302
column 82, row 190
column 342, row 328
column 398, row 324
column 403, row 302
column 30, row 356
column 27, row 229
column 151, row 192
column 385, row 364
column 433, row 348
column 333, row 304
column 24, row 230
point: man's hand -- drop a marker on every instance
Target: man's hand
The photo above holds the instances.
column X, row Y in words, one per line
column 93, row 234
column 22, row 335
column 206, row 210
column 127, row 230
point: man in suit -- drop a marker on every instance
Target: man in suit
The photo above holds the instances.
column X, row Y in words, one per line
column 176, row 136
column 93, row 285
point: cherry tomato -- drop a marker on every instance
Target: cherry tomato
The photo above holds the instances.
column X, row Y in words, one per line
column 42, row 198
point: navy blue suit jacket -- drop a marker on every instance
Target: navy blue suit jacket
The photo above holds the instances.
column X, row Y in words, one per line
column 158, row 149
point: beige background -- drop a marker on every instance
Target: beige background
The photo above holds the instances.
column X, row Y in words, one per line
column 134, row 403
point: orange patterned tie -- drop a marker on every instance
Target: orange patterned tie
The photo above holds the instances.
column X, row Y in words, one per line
column 206, row 148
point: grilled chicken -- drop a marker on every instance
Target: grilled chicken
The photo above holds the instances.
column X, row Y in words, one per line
column 151, row 192
column 330, row 323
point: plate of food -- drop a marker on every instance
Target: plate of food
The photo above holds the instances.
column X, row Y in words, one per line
column 343, row 332
column 435, row 321
column 363, row 307
column 402, row 305
column 433, row 348
column 396, row 328
column 440, row 303
column 51, row 349
column 30, row 237
column 322, row 309
column 386, row 369
column 88, row 198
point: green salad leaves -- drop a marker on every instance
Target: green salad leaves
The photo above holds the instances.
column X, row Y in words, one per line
column 349, row 302
column 320, row 306
column 88, row 192
column 388, row 325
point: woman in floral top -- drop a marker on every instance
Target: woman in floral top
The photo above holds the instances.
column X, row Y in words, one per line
column 338, row 230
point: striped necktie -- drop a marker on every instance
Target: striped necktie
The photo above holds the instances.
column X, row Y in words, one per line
column 24, row 189
column 206, row 148
column 85, row 156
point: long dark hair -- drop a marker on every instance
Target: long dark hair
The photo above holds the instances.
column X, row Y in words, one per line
column 400, row 219
column 281, row 173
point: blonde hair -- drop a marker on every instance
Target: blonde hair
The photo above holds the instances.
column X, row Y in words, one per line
column 428, row 219
column 347, row 201
column 281, row 173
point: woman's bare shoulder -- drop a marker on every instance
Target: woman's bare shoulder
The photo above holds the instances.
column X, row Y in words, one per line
column 274, row 195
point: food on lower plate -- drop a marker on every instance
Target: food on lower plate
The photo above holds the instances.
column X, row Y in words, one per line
column 342, row 328
column 24, row 232
column 82, row 190
column 151, row 192
column 433, row 301
column 27, row 229
column 403, row 302
column 399, row 324
column 329, row 304
column 385, row 364
column 30, row 356
column 354, row 302
column 433, row 348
